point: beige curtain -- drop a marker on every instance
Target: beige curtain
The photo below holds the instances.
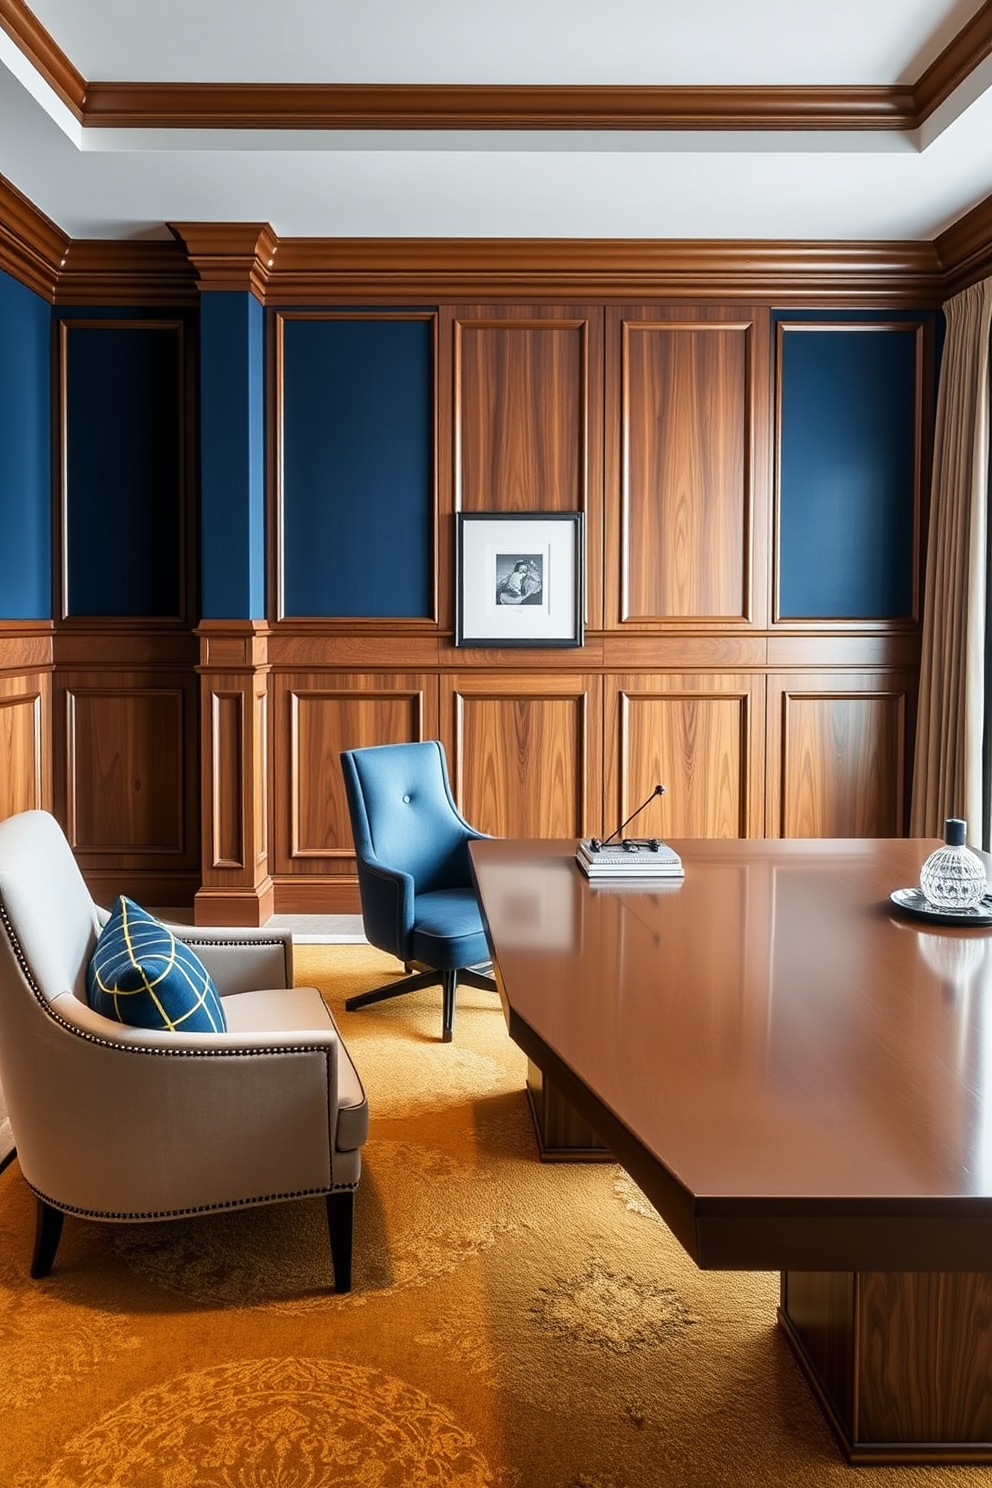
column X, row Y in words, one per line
column 947, row 778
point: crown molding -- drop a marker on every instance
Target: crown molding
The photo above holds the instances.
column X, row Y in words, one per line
column 45, row 56
column 965, row 248
column 32, row 248
column 229, row 255
column 957, row 61
column 485, row 107
column 441, row 107
column 143, row 273
column 249, row 257
column 295, row 271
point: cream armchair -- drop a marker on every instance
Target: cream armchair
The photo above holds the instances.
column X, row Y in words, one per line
column 127, row 1124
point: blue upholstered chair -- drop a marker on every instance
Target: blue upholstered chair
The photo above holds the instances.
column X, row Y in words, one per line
column 418, row 900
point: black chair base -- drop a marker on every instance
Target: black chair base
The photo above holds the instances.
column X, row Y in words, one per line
column 448, row 980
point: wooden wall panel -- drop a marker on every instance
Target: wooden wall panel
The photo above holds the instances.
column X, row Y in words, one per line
column 125, row 777
column 526, row 753
column 838, row 755
column 236, row 887
column 24, row 718
column 702, row 737
column 686, row 466
column 527, row 416
column 228, row 750
column 316, row 716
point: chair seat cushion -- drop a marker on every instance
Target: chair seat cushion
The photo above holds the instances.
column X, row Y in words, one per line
column 141, row 975
column 447, row 930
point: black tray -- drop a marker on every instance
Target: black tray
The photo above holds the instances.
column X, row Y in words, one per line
column 914, row 902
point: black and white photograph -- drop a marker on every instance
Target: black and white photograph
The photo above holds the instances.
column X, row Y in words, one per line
column 520, row 578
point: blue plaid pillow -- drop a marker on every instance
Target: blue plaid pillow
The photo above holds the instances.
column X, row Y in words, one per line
column 140, row 974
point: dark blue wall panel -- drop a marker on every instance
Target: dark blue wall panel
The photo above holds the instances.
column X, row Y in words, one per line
column 358, row 467
column 124, row 490
column 25, row 454
column 847, row 475
column 232, row 456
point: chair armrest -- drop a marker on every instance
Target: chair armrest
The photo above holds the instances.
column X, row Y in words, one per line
column 157, row 1122
column 387, row 906
column 80, row 1018
column 241, row 960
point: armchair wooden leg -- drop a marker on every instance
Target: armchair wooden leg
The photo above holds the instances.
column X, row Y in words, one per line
column 449, row 986
column 47, row 1234
column 340, row 1229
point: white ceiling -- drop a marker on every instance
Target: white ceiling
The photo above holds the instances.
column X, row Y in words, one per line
column 109, row 182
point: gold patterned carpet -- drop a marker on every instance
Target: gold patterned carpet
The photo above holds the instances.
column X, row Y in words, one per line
column 512, row 1324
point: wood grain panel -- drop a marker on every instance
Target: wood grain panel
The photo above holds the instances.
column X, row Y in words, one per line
column 697, row 735
column 227, row 782
column 837, row 756
column 316, row 718
column 22, row 750
column 686, row 476
column 522, row 395
column 900, row 1361
column 917, row 1330
column 526, row 755
column 125, row 769
column 236, row 886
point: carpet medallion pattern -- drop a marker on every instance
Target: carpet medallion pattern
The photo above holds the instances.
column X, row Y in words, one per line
column 513, row 1324
column 604, row 1310
column 312, row 1423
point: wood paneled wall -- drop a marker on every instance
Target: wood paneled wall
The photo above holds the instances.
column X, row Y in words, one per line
column 25, row 716
column 659, row 422
column 213, row 774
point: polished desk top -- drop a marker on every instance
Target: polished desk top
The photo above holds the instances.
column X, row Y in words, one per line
column 795, row 1075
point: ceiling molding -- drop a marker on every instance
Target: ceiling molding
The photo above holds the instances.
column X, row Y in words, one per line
column 45, row 56
column 965, row 248
column 144, row 273
column 956, row 62
column 229, row 255
column 441, row 107
column 417, row 106
column 32, row 248
column 248, row 256
column 295, row 271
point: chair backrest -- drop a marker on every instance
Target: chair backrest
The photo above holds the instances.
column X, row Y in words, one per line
column 45, row 906
column 404, row 816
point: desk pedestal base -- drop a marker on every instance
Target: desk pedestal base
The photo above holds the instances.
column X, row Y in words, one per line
column 562, row 1134
column 899, row 1361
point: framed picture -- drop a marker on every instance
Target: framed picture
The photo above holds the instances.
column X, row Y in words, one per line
column 520, row 579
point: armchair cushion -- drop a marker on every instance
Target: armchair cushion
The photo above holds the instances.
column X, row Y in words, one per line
column 141, row 975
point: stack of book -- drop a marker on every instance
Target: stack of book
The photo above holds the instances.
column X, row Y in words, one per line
column 635, row 857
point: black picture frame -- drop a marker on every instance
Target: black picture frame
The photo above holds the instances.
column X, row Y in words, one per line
column 520, row 579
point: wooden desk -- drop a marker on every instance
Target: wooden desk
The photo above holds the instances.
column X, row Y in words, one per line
column 800, row 1081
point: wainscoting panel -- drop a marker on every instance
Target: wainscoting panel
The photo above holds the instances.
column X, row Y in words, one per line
column 838, row 754
column 228, row 749
column 25, row 717
column 684, row 469
column 525, row 755
column 318, row 715
column 702, row 737
column 124, row 747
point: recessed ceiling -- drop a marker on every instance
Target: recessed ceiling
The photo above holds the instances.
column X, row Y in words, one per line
column 900, row 178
